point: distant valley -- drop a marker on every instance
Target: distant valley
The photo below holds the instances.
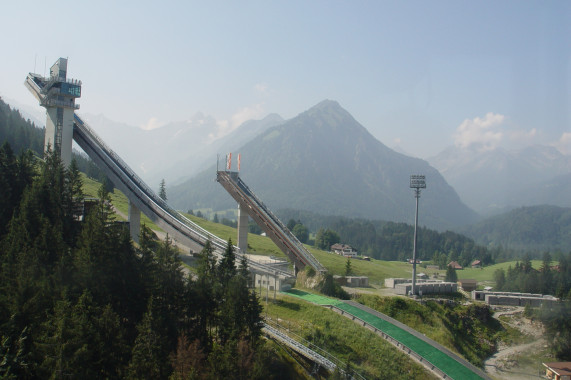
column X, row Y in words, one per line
column 494, row 181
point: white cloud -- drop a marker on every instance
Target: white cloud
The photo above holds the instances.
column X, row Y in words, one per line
column 153, row 123
column 247, row 113
column 523, row 137
column 262, row 88
column 244, row 114
column 480, row 131
column 564, row 143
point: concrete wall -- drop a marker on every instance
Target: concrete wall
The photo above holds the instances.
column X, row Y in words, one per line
column 357, row 281
column 66, row 132
column 428, row 288
column 271, row 283
column 513, row 298
column 519, row 300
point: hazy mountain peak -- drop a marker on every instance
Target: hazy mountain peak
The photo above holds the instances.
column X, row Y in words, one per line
column 323, row 160
column 327, row 107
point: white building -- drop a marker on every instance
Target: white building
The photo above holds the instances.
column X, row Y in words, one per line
column 344, row 250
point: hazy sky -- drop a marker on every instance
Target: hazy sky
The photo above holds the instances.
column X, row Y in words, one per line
column 418, row 74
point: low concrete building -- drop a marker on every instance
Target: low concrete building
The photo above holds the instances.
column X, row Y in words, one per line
column 513, row 298
column 393, row 282
column 352, row 281
column 427, row 288
column 468, row 285
column 357, row 281
column 558, row 370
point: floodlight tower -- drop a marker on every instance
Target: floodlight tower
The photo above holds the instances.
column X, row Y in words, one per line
column 57, row 94
column 417, row 182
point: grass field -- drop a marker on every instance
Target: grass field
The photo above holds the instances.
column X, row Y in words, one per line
column 486, row 274
column 119, row 200
column 341, row 337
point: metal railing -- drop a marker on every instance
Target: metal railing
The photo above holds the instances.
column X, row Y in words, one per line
column 46, row 102
column 293, row 241
column 309, row 349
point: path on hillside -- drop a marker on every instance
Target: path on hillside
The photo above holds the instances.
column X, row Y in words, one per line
column 408, row 340
column 502, row 365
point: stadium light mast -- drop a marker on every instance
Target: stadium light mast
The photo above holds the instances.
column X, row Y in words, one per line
column 417, row 182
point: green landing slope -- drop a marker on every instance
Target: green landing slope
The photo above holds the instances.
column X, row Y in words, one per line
column 439, row 359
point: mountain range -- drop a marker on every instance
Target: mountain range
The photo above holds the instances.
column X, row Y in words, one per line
column 488, row 181
column 178, row 150
column 324, row 161
column 493, row 181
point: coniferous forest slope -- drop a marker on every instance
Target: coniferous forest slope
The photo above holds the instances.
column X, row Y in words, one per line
column 78, row 300
column 531, row 228
column 324, row 161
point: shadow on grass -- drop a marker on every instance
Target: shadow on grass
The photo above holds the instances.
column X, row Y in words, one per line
column 288, row 305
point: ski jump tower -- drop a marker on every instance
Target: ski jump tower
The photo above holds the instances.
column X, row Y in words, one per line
column 57, row 94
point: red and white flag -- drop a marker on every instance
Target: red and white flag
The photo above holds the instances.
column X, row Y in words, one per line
column 229, row 161
column 239, row 161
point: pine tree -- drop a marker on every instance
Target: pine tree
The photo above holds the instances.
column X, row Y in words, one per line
column 150, row 352
column 207, row 302
column 163, row 190
column 451, row 275
column 227, row 265
column 348, row 269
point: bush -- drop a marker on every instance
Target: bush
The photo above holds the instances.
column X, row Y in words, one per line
column 309, row 271
column 330, row 288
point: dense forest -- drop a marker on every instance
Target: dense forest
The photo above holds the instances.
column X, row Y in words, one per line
column 21, row 134
column 77, row 299
column 553, row 277
column 534, row 229
column 391, row 241
column 24, row 135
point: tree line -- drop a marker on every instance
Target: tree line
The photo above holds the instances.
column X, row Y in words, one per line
column 24, row 135
column 389, row 241
column 551, row 278
column 79, row 300
column 393, row 241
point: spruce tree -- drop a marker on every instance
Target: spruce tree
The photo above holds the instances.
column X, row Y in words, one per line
column 348, row 269
column 150, row 352
column 451, row 275
column 163, row 190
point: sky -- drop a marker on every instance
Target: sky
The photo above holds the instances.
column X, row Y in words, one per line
column 419, row 75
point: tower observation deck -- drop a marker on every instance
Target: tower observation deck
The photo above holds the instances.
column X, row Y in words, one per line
column 57, row 94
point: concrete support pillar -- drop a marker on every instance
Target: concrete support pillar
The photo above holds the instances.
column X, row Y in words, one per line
column 242, row 229
column 134, row 222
